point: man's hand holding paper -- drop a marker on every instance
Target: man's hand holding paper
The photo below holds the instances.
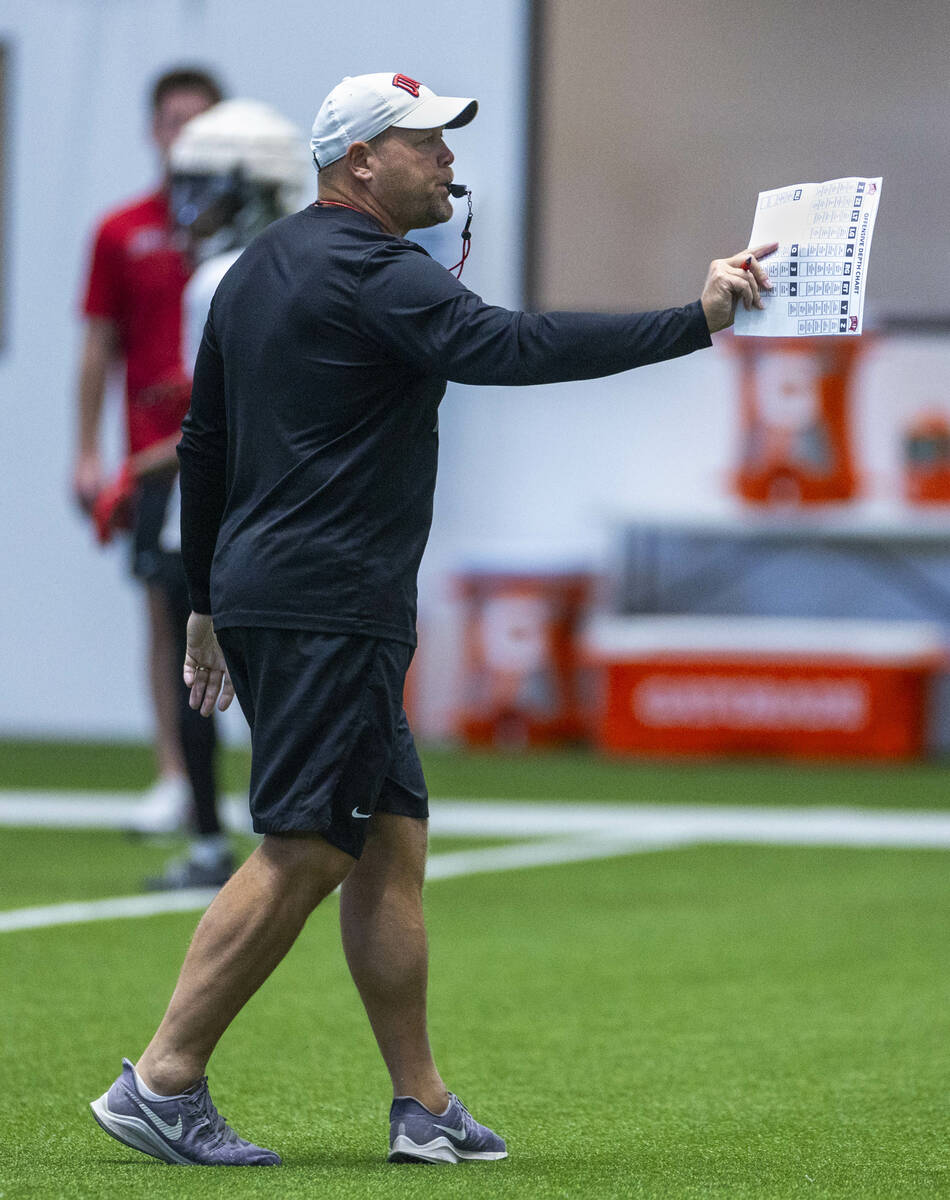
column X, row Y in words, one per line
column 731, row 280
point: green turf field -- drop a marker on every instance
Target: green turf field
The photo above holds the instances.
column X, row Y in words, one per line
column 728, row 1021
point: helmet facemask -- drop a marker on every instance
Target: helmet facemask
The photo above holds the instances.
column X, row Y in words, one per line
column 222, row 211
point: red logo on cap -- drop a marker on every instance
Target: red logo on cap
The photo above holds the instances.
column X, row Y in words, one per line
column 408, row 85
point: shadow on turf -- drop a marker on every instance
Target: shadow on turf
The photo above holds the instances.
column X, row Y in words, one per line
column 328, row 1159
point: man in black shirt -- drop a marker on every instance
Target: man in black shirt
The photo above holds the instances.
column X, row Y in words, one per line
column 308, row 463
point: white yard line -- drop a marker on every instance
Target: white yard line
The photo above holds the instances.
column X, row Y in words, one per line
column 95, row 810
column 677, row 824
column 499, row 818
column 535, row 854
column 440, row 866
column 82, row 911
column 571, row 833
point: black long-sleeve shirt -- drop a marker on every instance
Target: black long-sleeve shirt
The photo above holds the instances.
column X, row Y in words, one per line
column 308, row 457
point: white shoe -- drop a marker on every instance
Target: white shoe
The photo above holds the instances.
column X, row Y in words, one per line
column 165, row 807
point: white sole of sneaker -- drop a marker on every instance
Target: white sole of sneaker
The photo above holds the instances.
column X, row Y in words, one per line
column 439, row 1150
column 135, row 1133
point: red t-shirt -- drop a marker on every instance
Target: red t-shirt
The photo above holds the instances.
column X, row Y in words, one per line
column 136, row 279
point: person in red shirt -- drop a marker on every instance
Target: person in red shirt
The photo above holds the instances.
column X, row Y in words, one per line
column 133, row 316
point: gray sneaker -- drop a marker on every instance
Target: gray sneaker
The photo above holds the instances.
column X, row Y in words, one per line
column 185, row 1129
column 187, row 873
column 418, row 1135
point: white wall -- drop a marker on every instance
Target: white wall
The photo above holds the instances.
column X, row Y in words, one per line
column 683, row 142
column 533, row 473
column 71, row 651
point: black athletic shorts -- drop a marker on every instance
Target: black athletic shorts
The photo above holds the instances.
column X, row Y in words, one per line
column 151, row 503
column 330, row 743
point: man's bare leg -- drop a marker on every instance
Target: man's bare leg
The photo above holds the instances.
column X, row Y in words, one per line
column 384, row 939
column 249, row 927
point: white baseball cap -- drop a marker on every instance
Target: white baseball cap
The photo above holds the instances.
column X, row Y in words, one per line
column 364, row 105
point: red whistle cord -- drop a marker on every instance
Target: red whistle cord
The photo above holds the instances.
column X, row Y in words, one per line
column 466, row 240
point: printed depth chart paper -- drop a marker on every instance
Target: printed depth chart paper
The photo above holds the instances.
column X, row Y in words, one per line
column 819, row 271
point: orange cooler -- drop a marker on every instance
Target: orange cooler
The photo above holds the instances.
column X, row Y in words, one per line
column 795, row 398
column 764, row 685
column 522, row 669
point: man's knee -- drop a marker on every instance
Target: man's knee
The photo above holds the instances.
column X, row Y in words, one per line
column 305, row 862
column 395, row 852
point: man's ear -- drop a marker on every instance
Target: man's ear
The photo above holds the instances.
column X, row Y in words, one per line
column 357, row 160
